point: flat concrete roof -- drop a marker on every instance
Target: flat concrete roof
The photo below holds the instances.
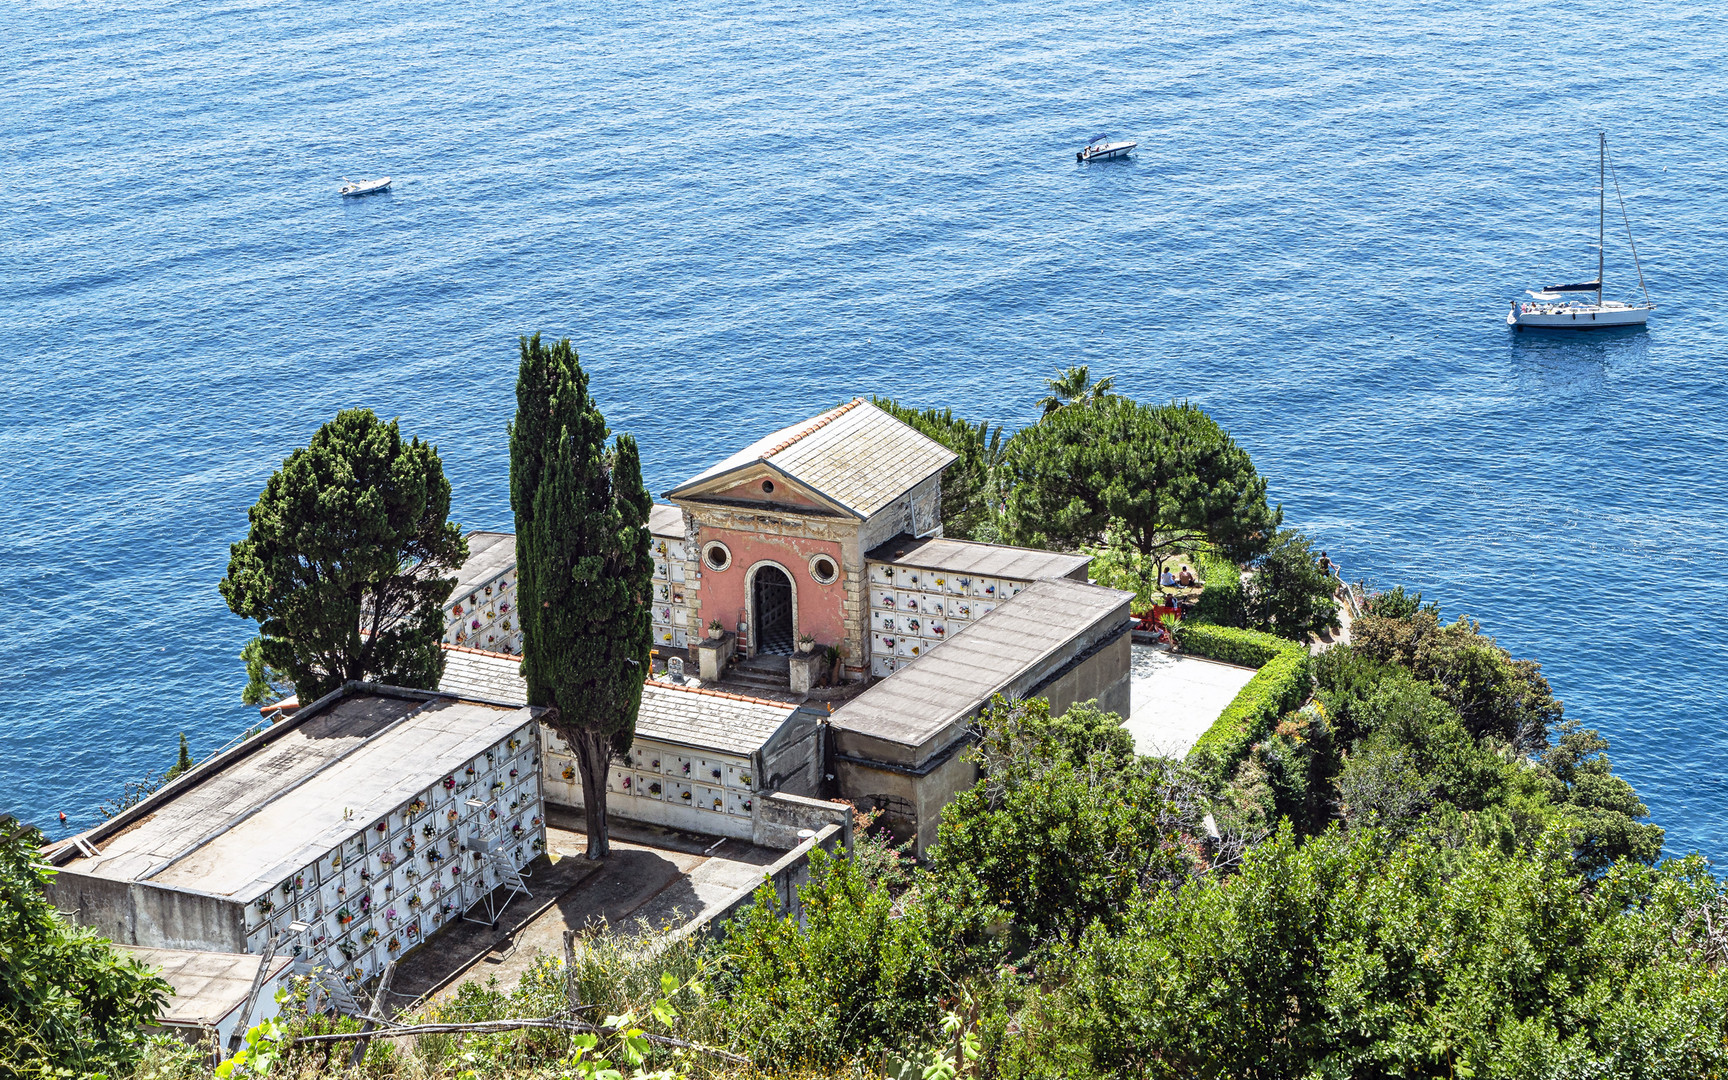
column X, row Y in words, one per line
column 979, row 560
column 671, row 712
column 236, row 826
column 1173, row 699
column 207, row 985
column 921, row 706
column 666, row 521
column 489, row 554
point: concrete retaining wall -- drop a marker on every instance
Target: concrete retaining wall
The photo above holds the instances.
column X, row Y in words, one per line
column 777, row 819
column 785, row 877
column 137, row 913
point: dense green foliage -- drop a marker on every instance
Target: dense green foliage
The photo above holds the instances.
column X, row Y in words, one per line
column 341, row 565
column 1116, row 565
column 586, row 575
column 1282, row 683
column 1505, row 770
column 855, row 979
column 1166, row 476
column 1288, row 594
column 1495, row 695
column 265, row 685
column 68, row 1000
column 971, row 487
column 1064, row 828
column 1223, row 602
column 1344, row 957
column 1232, row 645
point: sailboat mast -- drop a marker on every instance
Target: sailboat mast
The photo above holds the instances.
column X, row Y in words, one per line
column 1601, row 206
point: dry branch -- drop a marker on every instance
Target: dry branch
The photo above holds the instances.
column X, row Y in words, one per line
column 481, row 1027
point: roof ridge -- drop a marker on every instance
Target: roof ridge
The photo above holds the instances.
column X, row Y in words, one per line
column 645, row 682
column 813, row 426
column 480, row 652
column 720, row 694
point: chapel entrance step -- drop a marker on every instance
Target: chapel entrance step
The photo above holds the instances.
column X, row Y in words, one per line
column 761, row 672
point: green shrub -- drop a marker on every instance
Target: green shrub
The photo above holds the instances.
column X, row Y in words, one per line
column 69, row 1003
column 1249, row 648
column 856, row 978
column 1281, row 685
column 1221, row 602
column 1064, row 826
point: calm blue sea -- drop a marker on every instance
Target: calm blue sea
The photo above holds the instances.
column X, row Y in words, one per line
column 744, row 213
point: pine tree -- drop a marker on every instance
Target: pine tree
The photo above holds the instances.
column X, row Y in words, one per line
column 183, row 762
column 585, row 572
column 341, row 565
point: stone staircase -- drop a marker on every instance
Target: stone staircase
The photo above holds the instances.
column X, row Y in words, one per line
column 772, row 673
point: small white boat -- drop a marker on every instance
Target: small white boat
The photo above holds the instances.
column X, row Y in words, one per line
column 1102, row 149
column 1551, row 308
column 365, row 187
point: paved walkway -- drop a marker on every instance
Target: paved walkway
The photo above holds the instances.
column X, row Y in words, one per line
column 660, row 876
column 1174, row 699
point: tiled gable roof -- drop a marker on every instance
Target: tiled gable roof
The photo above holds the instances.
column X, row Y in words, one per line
column 688, row 715
column 856, row 456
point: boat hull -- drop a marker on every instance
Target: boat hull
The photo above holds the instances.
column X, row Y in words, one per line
column 1107, row 153
column 372, row 188
column 1578, row 319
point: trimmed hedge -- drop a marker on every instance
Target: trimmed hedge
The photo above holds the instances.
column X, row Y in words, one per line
column 1221, row 601
column 1282, row 684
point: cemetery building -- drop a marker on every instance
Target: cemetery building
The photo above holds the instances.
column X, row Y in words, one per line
column 368, row 818
column 827, row 531
column 703, row 760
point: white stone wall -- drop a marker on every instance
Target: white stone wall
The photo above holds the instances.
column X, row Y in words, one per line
column 676, row 604
column 485, row 616
column 912, row 610
column 395, row 880
column 662, row 784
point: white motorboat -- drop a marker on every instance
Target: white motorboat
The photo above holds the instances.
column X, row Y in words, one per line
column 365, row 187
column 1102, row 149
column 1553, row 309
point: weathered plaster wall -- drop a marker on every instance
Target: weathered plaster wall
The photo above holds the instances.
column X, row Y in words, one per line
column 820, row 609
column 791, row 761
column 136, row 913
column 1103, row 676
column 911, row 804
column 785, row 493
column 918, row 513
column 781, row 816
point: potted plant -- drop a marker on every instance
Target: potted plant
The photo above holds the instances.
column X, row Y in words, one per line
column 806, row 643
column 716, row 630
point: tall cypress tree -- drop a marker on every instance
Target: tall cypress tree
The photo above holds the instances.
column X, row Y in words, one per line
column 585, row 572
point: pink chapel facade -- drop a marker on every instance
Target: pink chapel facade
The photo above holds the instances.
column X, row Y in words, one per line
column 772, row 541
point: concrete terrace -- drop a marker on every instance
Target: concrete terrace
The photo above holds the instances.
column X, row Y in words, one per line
column 659, row 877
column 1176, row 698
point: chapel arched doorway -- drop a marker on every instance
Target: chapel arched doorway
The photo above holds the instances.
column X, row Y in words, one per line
column 772, row 601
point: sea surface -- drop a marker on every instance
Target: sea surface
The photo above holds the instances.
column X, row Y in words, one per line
column 744, row 213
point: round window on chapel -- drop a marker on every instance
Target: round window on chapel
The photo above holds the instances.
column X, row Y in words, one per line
column 824, row 570
column 768, row 487
column 717, row 556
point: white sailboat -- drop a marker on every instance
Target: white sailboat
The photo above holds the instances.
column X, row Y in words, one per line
column 1552, row 308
